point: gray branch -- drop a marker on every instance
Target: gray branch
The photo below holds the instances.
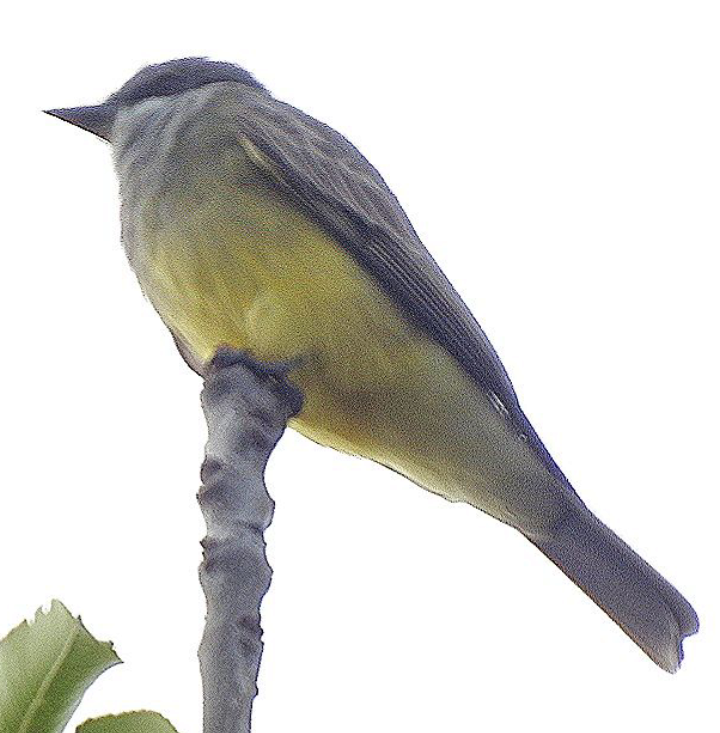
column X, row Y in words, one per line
column 247, row 406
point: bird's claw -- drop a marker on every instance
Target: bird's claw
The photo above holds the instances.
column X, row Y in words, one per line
column 274, row 371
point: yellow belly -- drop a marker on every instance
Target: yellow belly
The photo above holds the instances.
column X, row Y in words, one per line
column 254, row 273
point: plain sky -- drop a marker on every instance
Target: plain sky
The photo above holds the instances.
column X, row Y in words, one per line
column 561, row 161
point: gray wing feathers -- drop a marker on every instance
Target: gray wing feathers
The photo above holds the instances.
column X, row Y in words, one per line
column 339, row 187
column 331, row 179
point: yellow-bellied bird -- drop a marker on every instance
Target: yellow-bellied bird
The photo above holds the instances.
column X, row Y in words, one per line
column 252, row 225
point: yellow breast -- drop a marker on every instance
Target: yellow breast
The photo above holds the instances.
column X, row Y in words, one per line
column 245, row 268
column 249, row 270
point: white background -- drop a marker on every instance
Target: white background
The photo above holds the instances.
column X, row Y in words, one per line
column 561, row 160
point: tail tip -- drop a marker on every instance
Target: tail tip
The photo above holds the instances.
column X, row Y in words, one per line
column 670, row 659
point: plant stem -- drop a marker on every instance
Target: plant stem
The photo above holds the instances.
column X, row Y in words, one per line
column 247, row 406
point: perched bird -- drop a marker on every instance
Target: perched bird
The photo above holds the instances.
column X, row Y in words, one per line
column 251, row 225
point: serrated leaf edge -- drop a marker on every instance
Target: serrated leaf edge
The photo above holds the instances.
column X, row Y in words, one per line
column 47, row 681
column 77, row 628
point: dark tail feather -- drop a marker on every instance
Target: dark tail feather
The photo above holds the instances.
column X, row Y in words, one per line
column 647, row 608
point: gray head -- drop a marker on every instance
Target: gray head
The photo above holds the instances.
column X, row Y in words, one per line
column 158, row 80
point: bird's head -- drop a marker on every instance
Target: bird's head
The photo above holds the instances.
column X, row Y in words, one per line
column 158, row 80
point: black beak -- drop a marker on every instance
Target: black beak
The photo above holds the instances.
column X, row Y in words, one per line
column 97, row 119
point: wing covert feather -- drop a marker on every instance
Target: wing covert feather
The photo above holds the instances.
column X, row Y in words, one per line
column 330, row 178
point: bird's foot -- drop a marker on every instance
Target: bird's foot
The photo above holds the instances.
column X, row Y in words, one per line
column 273, row 372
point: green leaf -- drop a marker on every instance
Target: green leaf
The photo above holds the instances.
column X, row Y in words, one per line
column 141, row 721
column 45, row 668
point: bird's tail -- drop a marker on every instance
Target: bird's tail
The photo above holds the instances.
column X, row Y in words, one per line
column 647, row 608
